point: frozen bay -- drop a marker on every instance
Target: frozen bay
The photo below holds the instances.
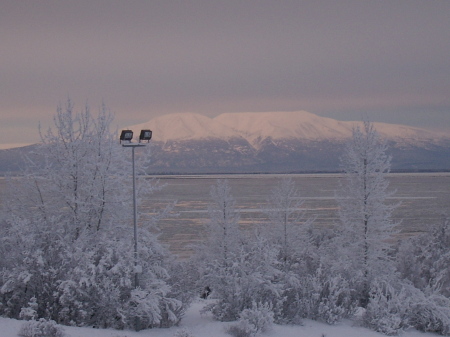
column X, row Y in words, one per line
column 424, row 199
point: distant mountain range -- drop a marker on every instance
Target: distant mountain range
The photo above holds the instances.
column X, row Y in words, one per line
column 273, row 142
column 296, row 141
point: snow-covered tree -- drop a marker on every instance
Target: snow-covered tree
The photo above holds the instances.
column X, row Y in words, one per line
column 68, row 232
column 365, row 214
column 223, row 228
column 287, row 225
column 61, row 202
column 288, row 231
column 363, row 251
column 220, row 252
column 238, row 267
column 76, row 174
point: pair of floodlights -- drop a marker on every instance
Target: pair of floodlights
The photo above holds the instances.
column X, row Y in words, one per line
column 127, row 136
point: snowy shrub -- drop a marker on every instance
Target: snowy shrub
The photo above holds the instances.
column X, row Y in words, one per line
column 235, row 287
column 30, row 312
column 388, row 309
column 289, row 308
column 431, row 313
column 331, row 298
column 222, row 310
column 41, row 328
column 260, row 315
column 394, row 308
column 183, row 333
column 425, row 259
column 253, row 321
column 242, row 329
column 100, row 292
column 151, row 308
column 327, row 297
column 94, row 292
column 36, row 265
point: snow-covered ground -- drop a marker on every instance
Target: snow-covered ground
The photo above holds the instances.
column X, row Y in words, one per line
column 204, row 326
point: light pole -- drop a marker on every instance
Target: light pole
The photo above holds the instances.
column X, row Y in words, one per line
column 127, row 136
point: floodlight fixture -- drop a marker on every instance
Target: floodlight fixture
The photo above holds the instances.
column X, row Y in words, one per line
column 145, row 135
column 126, row 135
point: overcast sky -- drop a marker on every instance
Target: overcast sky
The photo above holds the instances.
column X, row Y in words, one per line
column 388, row 60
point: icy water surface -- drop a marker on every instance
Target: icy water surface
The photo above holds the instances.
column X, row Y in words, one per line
column 423, row 198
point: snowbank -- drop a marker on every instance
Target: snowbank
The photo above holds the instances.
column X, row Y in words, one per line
column 204, row 326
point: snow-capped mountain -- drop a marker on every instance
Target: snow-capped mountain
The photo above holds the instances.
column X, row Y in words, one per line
column 282, row 125
column 186, row 126
column 296, row 141
column 305, row 125
column 279, row 142
column 255, row 127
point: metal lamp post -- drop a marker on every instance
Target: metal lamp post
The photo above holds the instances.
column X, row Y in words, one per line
column 127, row 136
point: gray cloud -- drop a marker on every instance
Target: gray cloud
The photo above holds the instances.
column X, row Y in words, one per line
column 387, row 59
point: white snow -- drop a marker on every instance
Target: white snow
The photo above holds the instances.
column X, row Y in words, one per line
column 205, row 326
column 255, row 126
column 279, row 125
column 185, row 126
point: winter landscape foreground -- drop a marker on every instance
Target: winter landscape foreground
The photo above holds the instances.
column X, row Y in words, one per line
column 205, row 326
column 69, row 256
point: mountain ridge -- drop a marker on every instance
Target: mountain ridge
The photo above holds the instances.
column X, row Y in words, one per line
column 274, row 142
column 296, row 141
column 257, row 126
